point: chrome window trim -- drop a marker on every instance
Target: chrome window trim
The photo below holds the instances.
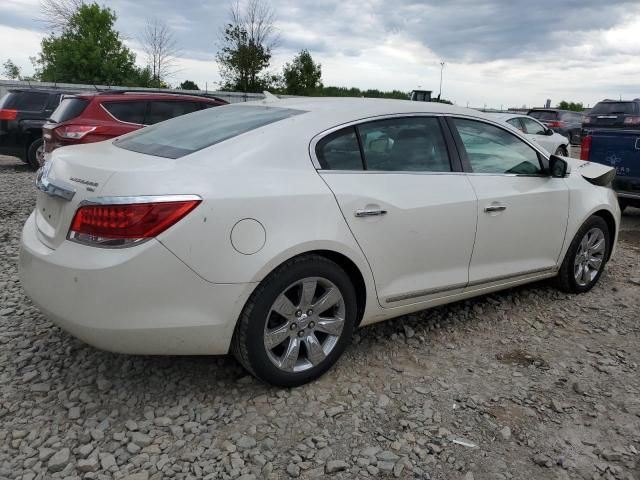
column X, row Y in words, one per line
column 122, row 121
column 318, row 137
column 139, row 199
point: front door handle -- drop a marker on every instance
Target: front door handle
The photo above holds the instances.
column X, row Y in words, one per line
column 370, row 212
column 495, row 208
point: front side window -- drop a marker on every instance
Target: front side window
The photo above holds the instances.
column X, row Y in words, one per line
column 491, row 149
column 181, row 136
column 411, row 144
column 130, row 112
column 532, row 127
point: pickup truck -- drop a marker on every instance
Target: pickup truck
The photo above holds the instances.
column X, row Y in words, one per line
column 619, row 149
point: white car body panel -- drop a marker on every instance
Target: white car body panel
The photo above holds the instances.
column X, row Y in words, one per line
column 182, row 292
column 550, row 143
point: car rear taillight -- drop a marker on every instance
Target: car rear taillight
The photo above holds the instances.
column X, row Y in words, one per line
column 113, row 224
column 74, row 132
column 585, row 147
column 632, row 120
column 556, row 124
column 6, row 114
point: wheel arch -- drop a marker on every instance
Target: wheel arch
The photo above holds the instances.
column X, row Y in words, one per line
column 610, row 220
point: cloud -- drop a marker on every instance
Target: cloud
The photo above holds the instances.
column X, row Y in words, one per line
column 496, row 51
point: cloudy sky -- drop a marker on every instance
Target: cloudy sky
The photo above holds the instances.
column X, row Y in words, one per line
column 497, row 52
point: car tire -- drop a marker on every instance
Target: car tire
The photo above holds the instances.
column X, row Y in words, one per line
column 34, row 153
column 586, row 257
column 562, row 151
column 279, row 342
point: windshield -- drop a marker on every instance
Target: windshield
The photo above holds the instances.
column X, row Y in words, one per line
column 605, row 108
column 544, row 115
column 69, row 108
column 183, row 135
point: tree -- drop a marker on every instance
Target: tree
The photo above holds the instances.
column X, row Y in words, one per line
column 302, row 76
column 576, row 107
column 159, row 45
column 247, row 42
column 11, row 70
column 89, row 50
column 189, row 85
column 56, row 14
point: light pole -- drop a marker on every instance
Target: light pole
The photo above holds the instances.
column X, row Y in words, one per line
column 441, row 70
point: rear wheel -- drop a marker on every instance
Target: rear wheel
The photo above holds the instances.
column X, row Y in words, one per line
column 586, row 257
column 35, row 153
column 297, row 323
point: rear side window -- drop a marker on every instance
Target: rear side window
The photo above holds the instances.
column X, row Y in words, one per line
column 340, row 151
column 159, row 111
column 25, row 101
column 544, row 115
column 130, row 112
column 614, row 108
column 181, row 136
column 404, row 144
column 69, row 108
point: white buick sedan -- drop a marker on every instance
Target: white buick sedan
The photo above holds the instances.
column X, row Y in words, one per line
column 536, row 132
column 274, row 229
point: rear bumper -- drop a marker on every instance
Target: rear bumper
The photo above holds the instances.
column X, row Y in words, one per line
column 139, row 300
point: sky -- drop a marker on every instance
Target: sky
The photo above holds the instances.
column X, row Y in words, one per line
column 497, row 53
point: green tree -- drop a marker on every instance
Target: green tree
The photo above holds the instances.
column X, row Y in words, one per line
column 247, row 42
column 89, row 50
column 189, row 85
column 576, row 107
column 11, row 70
column 302, row 76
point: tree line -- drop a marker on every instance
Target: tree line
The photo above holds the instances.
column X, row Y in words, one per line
column 83, row 46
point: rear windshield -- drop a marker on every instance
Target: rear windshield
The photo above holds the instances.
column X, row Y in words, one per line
column 181, row 136
column 613, row 108
column 544, row 115
column 69, row 108
column 25, row 101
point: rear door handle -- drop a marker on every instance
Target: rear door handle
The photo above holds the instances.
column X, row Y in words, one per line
column 495, row 208
column 370, row 212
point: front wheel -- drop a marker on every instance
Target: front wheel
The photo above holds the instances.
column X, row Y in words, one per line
column 297, row 323
column 562, row 151
column 586, row 257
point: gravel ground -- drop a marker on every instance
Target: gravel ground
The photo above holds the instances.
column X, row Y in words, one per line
column 525, row 384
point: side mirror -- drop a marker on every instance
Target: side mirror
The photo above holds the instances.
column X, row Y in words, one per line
column 558, row 168
column 548, row 132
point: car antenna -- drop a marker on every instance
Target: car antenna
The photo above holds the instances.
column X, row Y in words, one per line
column 269, row 97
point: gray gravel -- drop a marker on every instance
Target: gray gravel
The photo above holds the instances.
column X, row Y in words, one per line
column 525, row 384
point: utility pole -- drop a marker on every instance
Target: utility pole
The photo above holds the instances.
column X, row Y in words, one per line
column 441, row 69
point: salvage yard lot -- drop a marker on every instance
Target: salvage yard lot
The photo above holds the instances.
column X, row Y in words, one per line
column 528, row 383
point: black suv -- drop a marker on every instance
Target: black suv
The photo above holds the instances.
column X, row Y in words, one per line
column 23, row 112
column 565, row 122
column 615, row 114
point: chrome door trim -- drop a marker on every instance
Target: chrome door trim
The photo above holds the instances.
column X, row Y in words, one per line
column 495, row 208
column 476, row 283
column 370, row 212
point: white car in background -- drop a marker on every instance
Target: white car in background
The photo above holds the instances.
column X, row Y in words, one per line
column 274, row 229
column 535, row 131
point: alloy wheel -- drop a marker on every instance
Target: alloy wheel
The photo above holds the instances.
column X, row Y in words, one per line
column 589, row 257
column 40, row 155
column 304, row 324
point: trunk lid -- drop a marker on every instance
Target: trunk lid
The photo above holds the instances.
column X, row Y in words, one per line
column 78, row 173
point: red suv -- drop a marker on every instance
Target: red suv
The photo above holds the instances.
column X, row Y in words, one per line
column 93, row 117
